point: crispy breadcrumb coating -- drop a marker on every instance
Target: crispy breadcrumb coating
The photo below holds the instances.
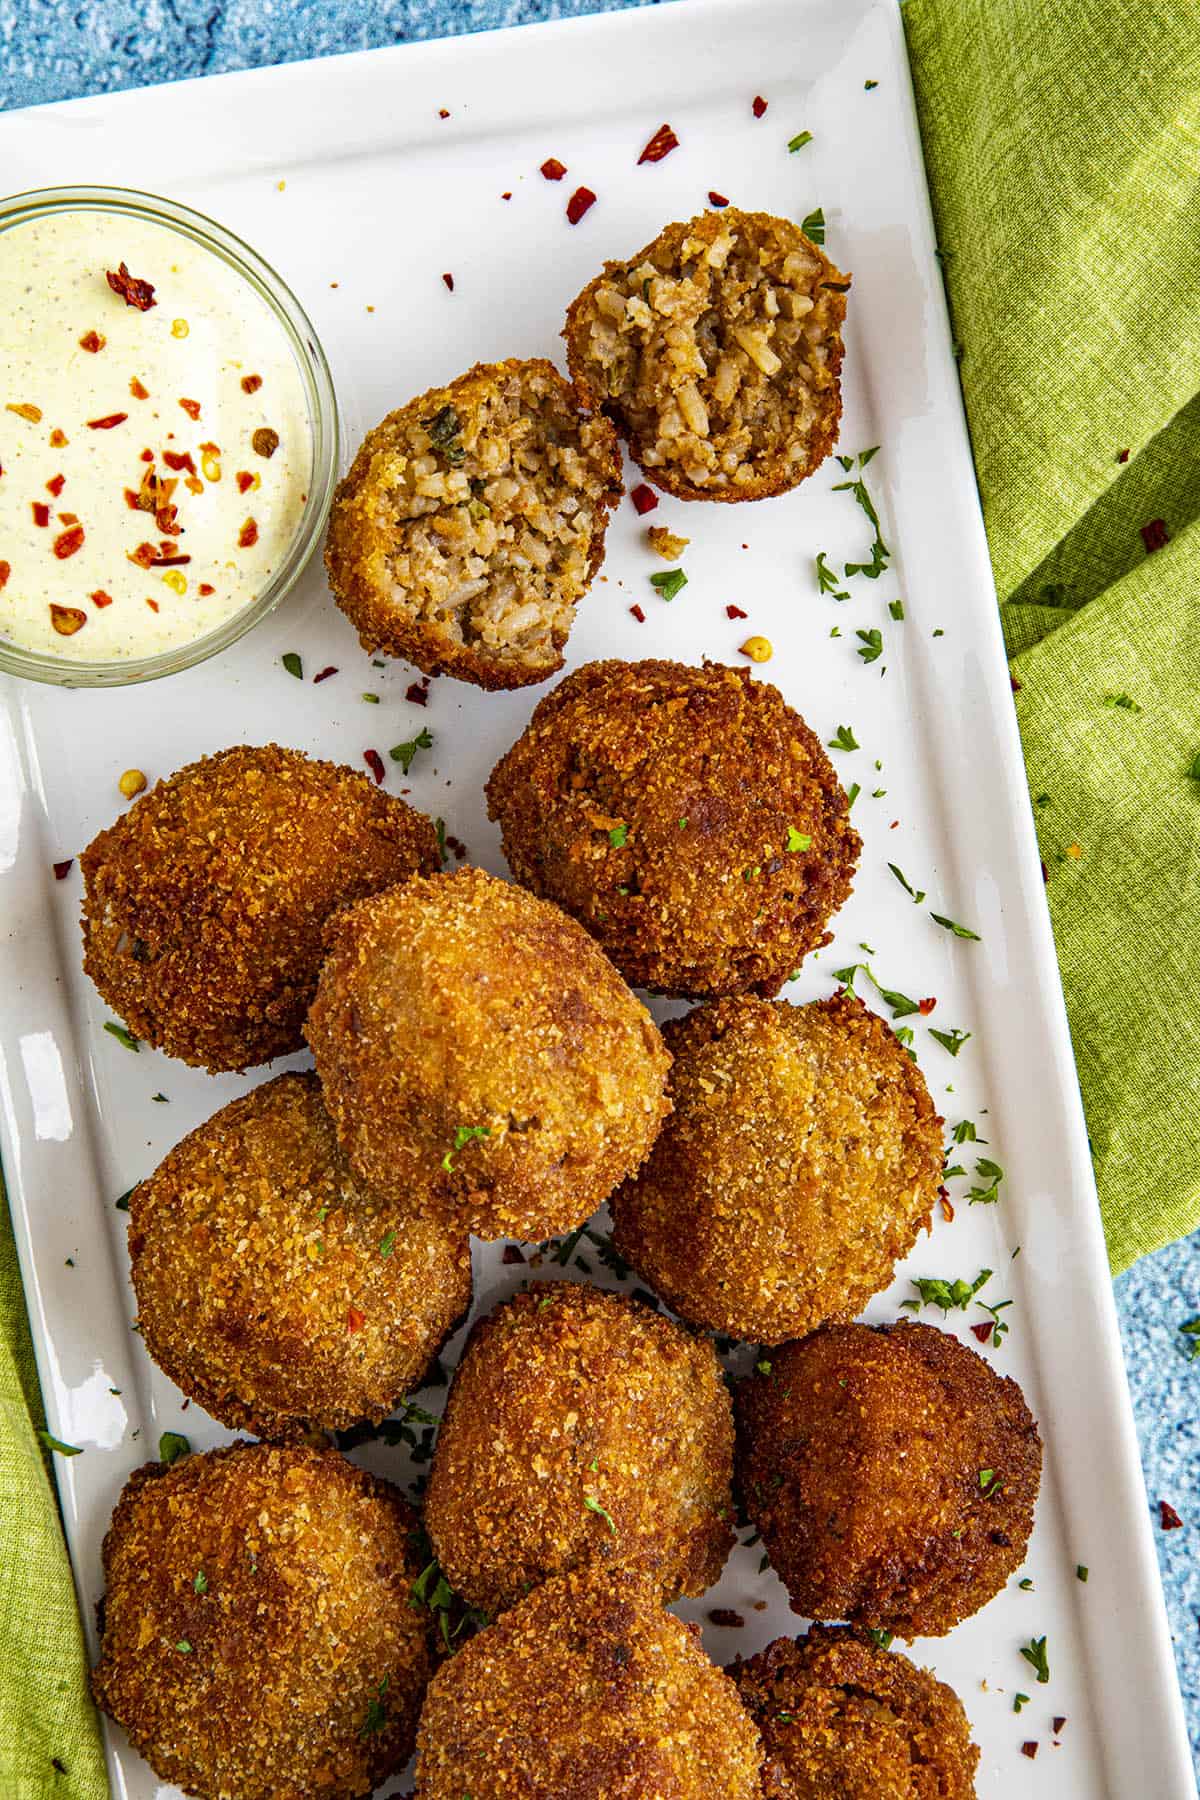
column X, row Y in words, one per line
column 276, row 1289
column 586, row 1690
column 892, row 1474
column 801, row 1159
column 581, row 1427
column 686, row 816
column 258, row 1634
column 205, row 904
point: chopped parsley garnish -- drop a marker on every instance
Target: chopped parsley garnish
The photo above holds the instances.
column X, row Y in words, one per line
column 762, row 1367
column 1194, row 770
column 993, row 1174
column 879, row 1637
column 952, row 1041
column 1020, row 1700
column 999, row 1327
column 293, row 664
column 593, row 1505
column 371, row 699
column 617, row 836
column 896, row 608
column 462, row 1137
column 868, row 85
column 444, row 429
column 916, row 894
column 387, row 1243
column 183, row 1647
column 1081, row 1571
column 989, row 1483
column 376, row 1717
column 171, row 1446
column 827, row 583
column 1026, row 1584
column 668, row 582
column 900, row 1003
column 813, row 226
column 122, row 1200
column 798, row 840
column 879, row 553
column 951, row 1296
column 843, row 739
column 797, row 143
column 872, row 644
column 1191, row 1333
column 53, row 1443
column 431, row 1589
column 1035, row 1655
column 960, row 931
column 122, row 1034
column 1124, row 702
column 852, row 793
column 965, row 1133
column 404, row 754
column 566, row 1249
column 439, row 831
column 200, row 1583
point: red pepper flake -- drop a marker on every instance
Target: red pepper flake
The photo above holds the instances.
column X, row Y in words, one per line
column 638, row 614
column 947, row 1206
column 925, row 1007
column 63, row 869
column 511, row 1254
column 1155, row 535
column 418, row 692
column 153, row 605
column 507, row 196
column 1014, row 684
column 67, row 620
column 68, row 542
column 5, row 572
column 553, row 170
column 715, row 199
column 1169, row 1518
column 92, row 341
column 1122, row 456
column 251, row 384
column 725, row 1615
column 41, row 512
column 449, row 281
column 245, row 481
column 644, row 499
column 147, row 456
column 169, row 562
column 56, row 485
column 443, row 113
column 58, row 439
column 660, row 145
column 100, row 598
column 137, row 389
column 145, row 556
column 735, row 612
column 983, row 1331
column 191, row 408
column 177, row 460
column 248, row 535
column 324, row 674
column 133, row 291
column 68, row 518
column 1058, row 1723
column 758, row 106
column 1029, row 1748
column 25, row 409
column 374, row 762
column 581, row 201
column 107, row 422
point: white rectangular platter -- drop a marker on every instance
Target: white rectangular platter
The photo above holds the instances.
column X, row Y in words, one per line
column 345, row 175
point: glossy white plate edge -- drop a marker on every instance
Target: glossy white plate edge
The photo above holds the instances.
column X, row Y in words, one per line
column 1090, row 1441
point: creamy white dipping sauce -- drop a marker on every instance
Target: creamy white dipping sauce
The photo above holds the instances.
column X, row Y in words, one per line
column 77, row 577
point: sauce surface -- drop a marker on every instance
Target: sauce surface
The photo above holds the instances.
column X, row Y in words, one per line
column 155, row 462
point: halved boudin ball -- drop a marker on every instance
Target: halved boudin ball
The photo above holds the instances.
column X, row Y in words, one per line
column 586, row 1690
column 842, row 1717
column 481, row 1058
column 892, row 1474
column 686, row 816
column 258, row 1634
column 277, row 1290
column 582, row 1427
column 205, row 904
column 802, row 1156
column 717, row 351
column 471, row 523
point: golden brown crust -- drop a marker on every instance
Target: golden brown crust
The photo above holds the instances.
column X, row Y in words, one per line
column 461, row 1004
column 801, row 1158
column 586, row 1690
column 841, row 1716
column 205, row 904
column 660, row 342
column 274, row 1288
column 582, row 1427
column 711, row 776
column 259, row 1638
column 472, row 567
column 892, row 1474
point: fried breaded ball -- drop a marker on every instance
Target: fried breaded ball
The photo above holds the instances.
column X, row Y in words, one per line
column 275, row 1288
column 204, row 905
column 802, row 1156
column 892, row 1474
column 840, row 1716
column 687, row 817
column 471, row 523
column 258, row 1634
column 482, row 1058
column 717, row 351
column 586, row 1690
column 581, row 1427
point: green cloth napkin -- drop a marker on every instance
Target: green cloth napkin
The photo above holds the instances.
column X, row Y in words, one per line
column 1062, row 139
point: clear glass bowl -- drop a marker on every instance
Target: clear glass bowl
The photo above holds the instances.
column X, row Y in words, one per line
column 323, row 424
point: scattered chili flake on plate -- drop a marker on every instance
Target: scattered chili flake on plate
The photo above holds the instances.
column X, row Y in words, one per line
column 637, row 612
column 660, row 145
column 1029, row 1748
column 449, row 281
column 1122, row 456
column 553, row 170
column 100, row 598
column 25, row 409
column 107, row 422
column 41, row 512
column 58, row 440
column 324, row 674
column 1155, row 535
column 443, row 112
column 715, row 199
column 245, row 481
column 927, row 1005
column 374, row 762
column 63, row 869
column 735, row 612
column 758, row 106
column 5, row 572
column 67, row 620
column 251, row 384
column 191, row 408
column 68, row 542
column 92, row 342
column 418, row 692
column 644, row 498
column 1168, row 1517
column 355, row 1320
column 581, row 201
column 983, row 1330
column 248, row 535
column 131, row 288
column 56, row 484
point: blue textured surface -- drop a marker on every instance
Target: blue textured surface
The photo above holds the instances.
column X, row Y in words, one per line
column 52, row 52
